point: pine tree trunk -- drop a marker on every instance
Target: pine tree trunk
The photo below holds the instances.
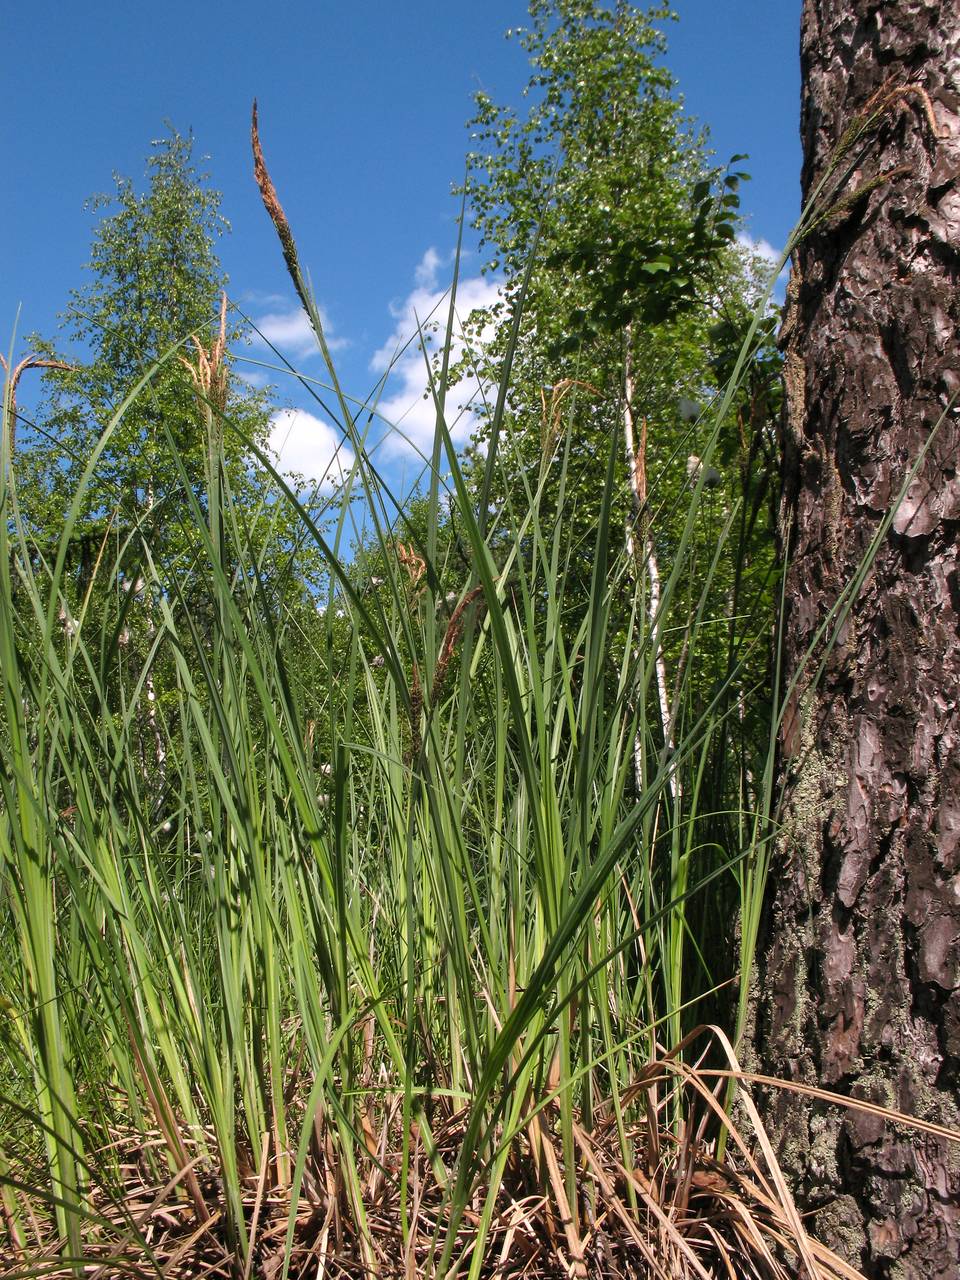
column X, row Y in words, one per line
column 860, row 979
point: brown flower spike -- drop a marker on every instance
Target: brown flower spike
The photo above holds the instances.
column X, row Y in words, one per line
column 274, row 208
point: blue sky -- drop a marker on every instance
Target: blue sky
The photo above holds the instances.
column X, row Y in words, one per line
column 362, row 118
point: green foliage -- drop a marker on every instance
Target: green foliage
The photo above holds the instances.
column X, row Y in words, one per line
column 155, row 273
column 154, row 280
column 637, row 294
column 600, row 208
column 152, row 304
column 402, row 888
column 635, row 272
column 606, row 172
column 334, row 885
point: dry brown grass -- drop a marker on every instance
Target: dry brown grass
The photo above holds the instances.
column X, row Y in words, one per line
column 677, row 1211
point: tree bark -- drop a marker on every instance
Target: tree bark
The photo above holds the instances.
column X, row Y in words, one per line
column 860, row 977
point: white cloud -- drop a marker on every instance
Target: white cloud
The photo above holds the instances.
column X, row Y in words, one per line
column 253, row 298
column 407, row 405
column 759, row 248
column 290, row 331
column 427, row 269
column 769, row 259
column 309, row 447
column 252, row 377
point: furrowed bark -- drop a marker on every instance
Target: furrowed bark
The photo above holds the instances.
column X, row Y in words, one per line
column 860, row 980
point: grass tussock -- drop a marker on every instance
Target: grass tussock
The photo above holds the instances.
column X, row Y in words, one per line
column 680, row 1212
column 373, row 925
